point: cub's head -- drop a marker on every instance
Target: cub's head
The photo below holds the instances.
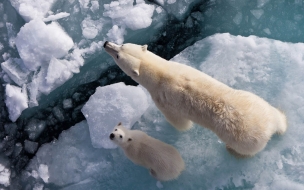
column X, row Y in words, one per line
column 119, row 135
column 127, row 56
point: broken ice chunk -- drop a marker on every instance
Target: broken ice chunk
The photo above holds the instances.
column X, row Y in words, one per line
column 257, row 13
column 34, row 128
column 140, row 16
column 58, row 113
column 15, row 69
column 91, row 28
column 37, row 43
column 10, row 129
column 16, row 101
column 43, row 172
column 17, row 150
column 238, row 18
column 109, row 106
column 57, row 73
column 67, row 103
column 31, row 9
column 33, row 92
column 38, row 186
column 30, row 146
column 116, row 34
column 56, row 17
column 4, row 176
column 95, row 6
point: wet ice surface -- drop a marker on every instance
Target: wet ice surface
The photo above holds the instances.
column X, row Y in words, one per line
column 60, row 75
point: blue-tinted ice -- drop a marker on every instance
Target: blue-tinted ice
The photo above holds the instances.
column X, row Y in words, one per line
column 250, row 45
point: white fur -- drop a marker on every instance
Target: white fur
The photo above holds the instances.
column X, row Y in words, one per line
column 163, row 161
column 244, row 121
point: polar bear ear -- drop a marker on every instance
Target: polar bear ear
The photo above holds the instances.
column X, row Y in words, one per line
column 144, row 47
column 119, row 123
column 129, row 139
column 136, row 72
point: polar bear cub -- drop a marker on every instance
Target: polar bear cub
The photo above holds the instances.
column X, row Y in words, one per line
column 244, row 121
column 163, row 161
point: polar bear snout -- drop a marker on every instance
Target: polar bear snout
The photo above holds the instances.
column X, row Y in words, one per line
column 105, row 44
column 111, row 48
column 112, row 136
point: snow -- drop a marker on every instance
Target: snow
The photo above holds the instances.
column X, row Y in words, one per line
column 116, row 34
column 91, row 28
column 43, row 172
column 133, row 17
column 4, row 176
column 57, row 73
column 15, row 69
column 95, row 6
column 32, row 9
column 110, row 105
column 139, row 17
column 56, row 17
column 16, row 101
column 37, row 43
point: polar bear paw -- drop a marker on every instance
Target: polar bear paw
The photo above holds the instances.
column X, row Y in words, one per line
column 235, row 153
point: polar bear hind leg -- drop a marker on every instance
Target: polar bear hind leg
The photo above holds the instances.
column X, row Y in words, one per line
column 152, row 173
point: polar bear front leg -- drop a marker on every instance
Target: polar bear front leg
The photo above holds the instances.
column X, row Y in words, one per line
column 177, row 121
column 235, row 153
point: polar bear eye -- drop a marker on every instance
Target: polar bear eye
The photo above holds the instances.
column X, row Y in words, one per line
column 120, row 136
column 117, row 56
column 115, row 130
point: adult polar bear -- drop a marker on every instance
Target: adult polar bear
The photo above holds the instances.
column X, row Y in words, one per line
column 244, row 121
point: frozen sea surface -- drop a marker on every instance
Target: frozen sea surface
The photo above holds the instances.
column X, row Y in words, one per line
column 53, row 64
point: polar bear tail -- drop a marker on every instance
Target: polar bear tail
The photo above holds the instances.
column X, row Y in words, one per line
column 282, row 123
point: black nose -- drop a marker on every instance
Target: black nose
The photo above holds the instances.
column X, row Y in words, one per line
column 104, row 45
column 112, row 136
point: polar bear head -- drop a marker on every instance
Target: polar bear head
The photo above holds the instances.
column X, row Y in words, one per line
column 120, row 135
column 127, row 56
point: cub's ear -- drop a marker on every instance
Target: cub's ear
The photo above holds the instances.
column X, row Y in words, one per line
column 144, row 47
column 135, row 72
column 119, row 123
column 129, row 139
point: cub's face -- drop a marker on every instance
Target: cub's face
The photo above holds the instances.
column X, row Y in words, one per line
column 127, row 56
column 118, row 136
